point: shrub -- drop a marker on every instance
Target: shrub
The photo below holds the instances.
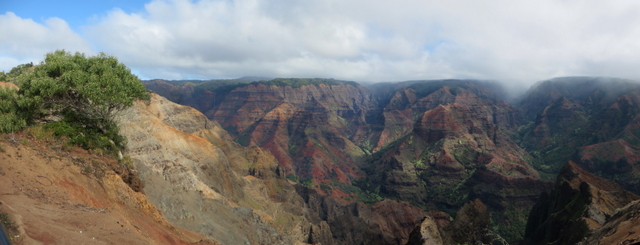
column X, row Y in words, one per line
column 91, row 89
column 77, row 96
column 10, row 118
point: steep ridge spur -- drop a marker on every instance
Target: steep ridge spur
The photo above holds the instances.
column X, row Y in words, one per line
column 592, row 121
column 583, row 205
column 202, row 180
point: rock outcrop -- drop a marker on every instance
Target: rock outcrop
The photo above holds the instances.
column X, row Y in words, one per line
column 579, row 204
column 623, row 227
column 426, row 233
column 472, row 225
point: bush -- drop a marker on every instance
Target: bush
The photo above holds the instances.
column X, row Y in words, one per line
column 93, row 88
column 78, row 96
column 10, row 118
column 88, row 137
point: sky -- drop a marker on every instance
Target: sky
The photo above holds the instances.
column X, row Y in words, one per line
column 515, row 42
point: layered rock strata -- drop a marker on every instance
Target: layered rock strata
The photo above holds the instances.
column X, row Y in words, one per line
column 578, row 206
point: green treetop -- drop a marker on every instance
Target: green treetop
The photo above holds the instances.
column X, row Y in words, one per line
column 76, row 93
column 94, row 87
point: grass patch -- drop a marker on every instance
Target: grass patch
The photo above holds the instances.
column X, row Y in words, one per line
column 299, row 82
column 127, row 162
column 41, row 134
column 292, row 177
column 10, row 226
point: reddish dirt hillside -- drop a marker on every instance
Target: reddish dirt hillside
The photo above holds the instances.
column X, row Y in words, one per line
column 8, row 85
column 57, row 195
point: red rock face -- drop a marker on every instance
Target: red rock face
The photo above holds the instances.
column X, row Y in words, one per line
column 191, row 165
column 438, row 144
column 459, row 137
column 312, row 130
column 396, row 218
column 619, row 157
column 456, row 151
column 431, row 144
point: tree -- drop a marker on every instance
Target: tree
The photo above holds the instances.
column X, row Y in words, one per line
column 78, row 96
column 20, row 69
column 15, row 72
column 94, row 88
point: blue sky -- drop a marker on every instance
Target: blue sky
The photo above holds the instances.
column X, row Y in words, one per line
column 517, row 42
column 75, row 12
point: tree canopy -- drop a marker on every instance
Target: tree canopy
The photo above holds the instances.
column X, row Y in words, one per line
column 77, row 94
column 94, row 87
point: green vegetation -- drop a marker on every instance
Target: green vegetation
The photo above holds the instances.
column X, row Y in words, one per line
column 72, row 95
column 11, row 117
column 466, row 156
column 513, row 230
column 10, row 226
column 214, row 83
column 418, row 163
column 222, row 87
column 326, row 188
column 364, row 191
column 15, row 72
column 560, row 132
column 424, row 88
column 307, row 183
column 292, row 177
column 299, row 82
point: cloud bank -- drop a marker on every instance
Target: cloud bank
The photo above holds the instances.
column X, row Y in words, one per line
column 372, row 40
column 24, row 40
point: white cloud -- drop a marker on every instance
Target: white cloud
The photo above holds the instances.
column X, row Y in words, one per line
column 24, row 40
column 372, row 40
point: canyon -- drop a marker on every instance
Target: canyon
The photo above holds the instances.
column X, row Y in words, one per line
column 437, row 145
column 322, row 161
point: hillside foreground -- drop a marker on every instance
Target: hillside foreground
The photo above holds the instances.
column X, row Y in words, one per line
column 57, row 195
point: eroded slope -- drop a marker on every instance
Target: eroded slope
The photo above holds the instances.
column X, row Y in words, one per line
column 202, row 180
column 59, row 195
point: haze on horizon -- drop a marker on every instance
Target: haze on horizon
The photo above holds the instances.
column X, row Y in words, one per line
column 516, row 42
